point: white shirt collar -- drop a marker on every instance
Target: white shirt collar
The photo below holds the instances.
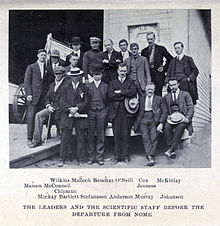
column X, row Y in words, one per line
column 58, row 83
column 177, row 92
column 40, row 63
column 75, row 85
column 180, row 56
column 123, row 79
column 97, row 83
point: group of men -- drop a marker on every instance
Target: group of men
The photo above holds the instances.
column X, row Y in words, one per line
column 125, row 88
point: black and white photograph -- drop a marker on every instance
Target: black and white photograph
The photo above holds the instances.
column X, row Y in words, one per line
column 109, row 88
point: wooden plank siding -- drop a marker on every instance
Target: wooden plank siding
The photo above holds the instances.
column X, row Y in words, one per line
column 174, row 25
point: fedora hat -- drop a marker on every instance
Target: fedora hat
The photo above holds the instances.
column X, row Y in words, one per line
column 55, row 53
column 132, row 105
column 175, row 118
column 97, row 68
column 75, row 72
column 59, row 70
column 76, row 41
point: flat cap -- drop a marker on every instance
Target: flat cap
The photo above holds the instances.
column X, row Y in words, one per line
column 42, row 51
column 55, row 53
column 95, row 39
column 59, row 70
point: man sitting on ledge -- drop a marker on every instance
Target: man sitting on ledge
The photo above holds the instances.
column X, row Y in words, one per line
column 177, row 113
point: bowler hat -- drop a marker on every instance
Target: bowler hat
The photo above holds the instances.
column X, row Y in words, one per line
column 175, row 118
column 75, row 72
column 132, row 105
column 76, row 41
column 55, row 53
column 59, row 70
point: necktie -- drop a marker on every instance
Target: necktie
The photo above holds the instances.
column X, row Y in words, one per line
column 174, row 96
column 76, row 54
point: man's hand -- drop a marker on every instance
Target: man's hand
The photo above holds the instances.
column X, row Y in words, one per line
column 188, row 79
column 73, row 110
column 118, row 61
column 105, row 61
column 51, row 109
column 186, row 120
column 76, row 115
column 160, row 69
column 160, row 128
column 117, row 91
column 29, row 98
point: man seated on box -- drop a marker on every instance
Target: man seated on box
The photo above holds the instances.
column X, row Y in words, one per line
column 52, row 101
column 74, row 114
column 147, row 120
column 177, row 113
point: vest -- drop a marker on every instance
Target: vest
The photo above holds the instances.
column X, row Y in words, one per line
column 179, row 69
column 96, row 102
column 174, row 105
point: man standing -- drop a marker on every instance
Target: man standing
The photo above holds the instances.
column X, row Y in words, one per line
column 93, row 56
column 182, row 67
column 111, row 59
column 73, row 59
column 76, row 45
column 138, row 69
column 147, row 120
column 52, row 102
column 74, row 112
column 36, row 86
column 155, row 55
column 123, row 45
column 55, row 61
column 98, row 110
column 119, row 89
column 177, row 113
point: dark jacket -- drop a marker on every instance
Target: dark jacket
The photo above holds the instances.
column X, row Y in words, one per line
column 103, row 90
column 160, row 53
column 71, row 98
column 156, row 106
column 128, row 89
column 33, row 84
column 185, row 105
column 110, row 69
column 191, row 71
column 80, row 62
column 53, row 98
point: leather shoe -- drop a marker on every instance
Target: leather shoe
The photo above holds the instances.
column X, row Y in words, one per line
column 61, row 164
column 115, row 161
column 34, row 145
column 89, row 162
column 100, row 162
column 151, row 161
column 29, row 142
column 168, row 153
column 81, row 164
column 126, row 160
column 173, row 155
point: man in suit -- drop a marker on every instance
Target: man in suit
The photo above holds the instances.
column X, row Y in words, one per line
column 76, row 45
column 93, row 56
column 98, row 110
column 147, row 120
column 177, row 113
column 74, row 109
column 119, row 89
column 155, row 55
column 183, row 68
column 36, row 86
column 111, row 59
column 123, row 45
column 138, row 69
column 55, row 61
column 52, row 102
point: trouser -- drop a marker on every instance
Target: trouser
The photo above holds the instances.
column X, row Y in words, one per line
column 149, row 136
column 158, row 79
column 120, row 131
column 31, row 112
column 172, row 139
column 40, row 117
column 97, row 122
column 137, row 84
column 66, row 135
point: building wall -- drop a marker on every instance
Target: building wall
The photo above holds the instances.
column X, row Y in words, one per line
column 173, row 25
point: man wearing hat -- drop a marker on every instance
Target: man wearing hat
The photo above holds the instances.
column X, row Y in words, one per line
column 98, row 110
column 93, row 56
column 119, row 89
column 177, row 113
column 35, row 86
column 111, row 59
column 147, row 120
column 74, row 108
column 52, row 101
column 55, row 61
column 76, row 45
